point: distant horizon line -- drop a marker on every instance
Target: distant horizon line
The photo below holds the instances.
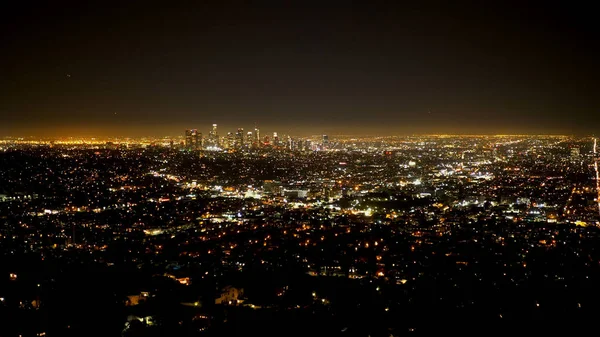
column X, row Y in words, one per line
column 369, row 135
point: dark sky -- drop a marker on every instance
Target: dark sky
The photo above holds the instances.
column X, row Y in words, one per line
column 108, row 68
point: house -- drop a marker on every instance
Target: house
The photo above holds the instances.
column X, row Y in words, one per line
column 133, row 300
column 230, row 296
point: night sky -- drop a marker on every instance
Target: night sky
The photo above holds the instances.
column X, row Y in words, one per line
column 104, row 68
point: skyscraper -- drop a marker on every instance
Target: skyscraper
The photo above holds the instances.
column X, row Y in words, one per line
column 307, row 145
column 230, row 140
column 213, row 137
column 193, row 139
column 256, row 142
column 239, row 138
column 249, row 139
column 275, row 139
column 188, row 139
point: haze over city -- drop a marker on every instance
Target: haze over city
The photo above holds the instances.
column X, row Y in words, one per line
column 92, row 69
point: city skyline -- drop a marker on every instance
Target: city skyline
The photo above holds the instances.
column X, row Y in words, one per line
column 204, row 129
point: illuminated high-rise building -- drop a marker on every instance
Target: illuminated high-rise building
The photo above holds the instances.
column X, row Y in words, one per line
column 256, row 142
column 188, row 139
column 275, row 139
column 239, row 138
column 193, row 139
column 230, row 140
column 213, row 137
column 249, row 139
column 325, row 142
column 307, row 145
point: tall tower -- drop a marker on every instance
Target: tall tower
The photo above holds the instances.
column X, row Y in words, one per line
column 188, row 139
column 307, row 145
column 239, row 138
column 325, row 142
column 230, row 140
column 249, row 139
column 213, row 136
column 193, row 139
column 275, row 139
column 256, row 137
